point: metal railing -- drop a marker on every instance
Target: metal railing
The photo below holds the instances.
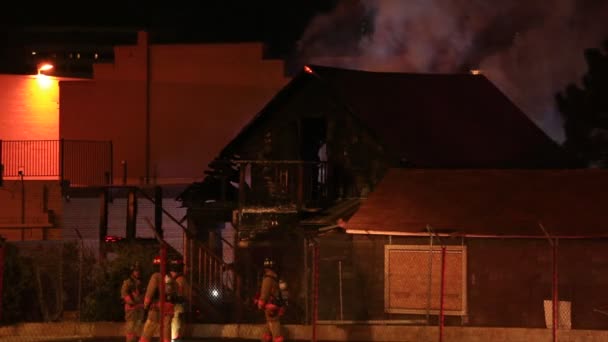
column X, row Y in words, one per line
column 213, row 284
column 79, row 162
column 213, row 281
column 282, row 183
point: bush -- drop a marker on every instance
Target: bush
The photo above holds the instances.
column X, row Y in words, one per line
column 19, row 301
column 103, row 302
column 42, row 280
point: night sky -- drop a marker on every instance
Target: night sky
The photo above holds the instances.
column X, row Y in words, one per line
column 277, row 23
column 529, row 49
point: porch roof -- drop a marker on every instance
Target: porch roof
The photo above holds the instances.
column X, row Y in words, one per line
column 486, row 203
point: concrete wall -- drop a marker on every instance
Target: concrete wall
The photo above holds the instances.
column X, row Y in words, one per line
column 51, row 216
column 43, row 210
column 28, row 108
column 200, row 97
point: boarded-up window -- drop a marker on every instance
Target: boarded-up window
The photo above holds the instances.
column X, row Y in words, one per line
column 413, row 279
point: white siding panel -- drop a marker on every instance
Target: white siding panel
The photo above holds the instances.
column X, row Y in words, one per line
column 81, row 214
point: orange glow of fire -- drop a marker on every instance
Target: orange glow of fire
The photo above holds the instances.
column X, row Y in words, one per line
column 308, row 69
column 476, row 72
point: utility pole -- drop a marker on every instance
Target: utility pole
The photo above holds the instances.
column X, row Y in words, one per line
column 146, row 41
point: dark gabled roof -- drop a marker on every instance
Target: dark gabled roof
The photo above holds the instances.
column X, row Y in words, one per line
column 281, row 98
column 444, row 120
column 493, row 203
column 432, row 120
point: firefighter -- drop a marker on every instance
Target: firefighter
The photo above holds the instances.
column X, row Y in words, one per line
column 270, row 301
column 132, row 293
column 176, row 271
column 152, row 305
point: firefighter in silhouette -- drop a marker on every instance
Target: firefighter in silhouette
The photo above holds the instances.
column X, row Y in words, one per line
column 271, row 302
column 176, row 271
column 152, row 305
column 132, row 294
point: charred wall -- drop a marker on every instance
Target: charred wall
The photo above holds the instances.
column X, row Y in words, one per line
column 308, row 124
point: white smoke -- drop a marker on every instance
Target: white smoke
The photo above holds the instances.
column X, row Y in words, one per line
column 530, row 49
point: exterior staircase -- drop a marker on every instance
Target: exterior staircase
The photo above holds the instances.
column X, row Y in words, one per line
column 213, row 295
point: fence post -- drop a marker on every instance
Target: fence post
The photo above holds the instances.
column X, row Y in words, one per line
column 306, row 283
column 163, row 272
column 2, row 246
column 315, row 301
column 80, row 259
column 554, row 310
column 340, row 290
column 441, row 299
column 430, row 281
column 555, row 290
column 442, row 280
column 103, row 221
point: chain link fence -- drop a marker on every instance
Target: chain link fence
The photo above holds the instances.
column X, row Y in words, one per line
column 454, row 281
column 41, row 281
column 65, row 282
column 347, row 280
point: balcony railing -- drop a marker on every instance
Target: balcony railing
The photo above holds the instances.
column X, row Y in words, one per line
column 282, row 185
column 80, row 162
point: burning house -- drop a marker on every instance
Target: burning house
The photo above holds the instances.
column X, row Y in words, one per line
column 323, row 144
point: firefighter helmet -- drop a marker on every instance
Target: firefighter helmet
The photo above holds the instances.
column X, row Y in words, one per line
column 176, row 265
column 269, row 263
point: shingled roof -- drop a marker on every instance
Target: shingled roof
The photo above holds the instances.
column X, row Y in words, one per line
column 444, row 120
column 432, row 120
column 492, row 203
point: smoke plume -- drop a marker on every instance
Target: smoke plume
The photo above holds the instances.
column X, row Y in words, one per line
column 529, row 49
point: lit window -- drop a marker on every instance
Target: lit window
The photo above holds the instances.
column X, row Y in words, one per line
column 78, row 56
column 33, row 52
column 96, row 56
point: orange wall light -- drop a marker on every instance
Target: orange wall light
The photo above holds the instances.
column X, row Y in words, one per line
column 45, row 67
